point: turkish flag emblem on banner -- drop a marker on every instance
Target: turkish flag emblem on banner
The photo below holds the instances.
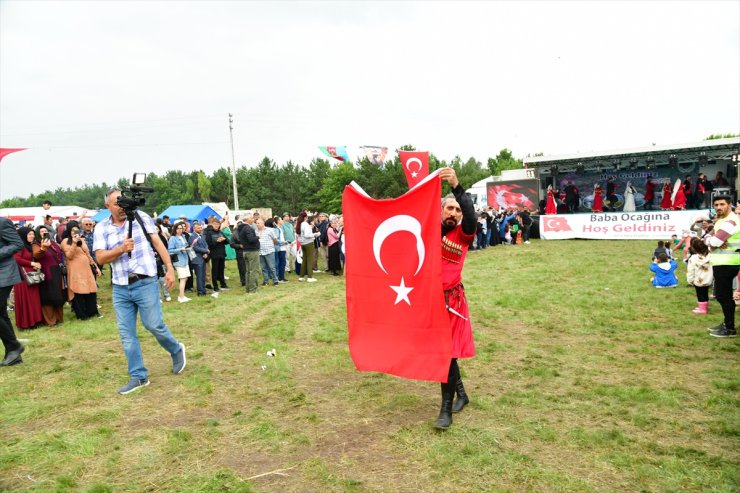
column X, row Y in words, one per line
column 398, row 323
column 415, row 165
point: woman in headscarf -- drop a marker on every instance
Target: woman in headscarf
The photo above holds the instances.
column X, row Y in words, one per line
column 82, row 290
column 48, row 253
column 27, row 299
column 629, row 198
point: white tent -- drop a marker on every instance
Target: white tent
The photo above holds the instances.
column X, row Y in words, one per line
column 36, row 215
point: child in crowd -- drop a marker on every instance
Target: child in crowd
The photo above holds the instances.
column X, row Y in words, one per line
column 684, row 244
column 674, row 240
column 662, row 248
column 665, row 272
column 699, row 274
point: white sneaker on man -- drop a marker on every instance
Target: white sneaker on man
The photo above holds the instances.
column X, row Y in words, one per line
column 311, row 279
column 214, row 294
column 301, row 279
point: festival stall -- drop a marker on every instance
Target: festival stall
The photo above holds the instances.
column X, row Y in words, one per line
column 191, row 212
column 35, row 215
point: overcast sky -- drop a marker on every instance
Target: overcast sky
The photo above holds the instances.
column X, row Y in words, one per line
column 99, row 90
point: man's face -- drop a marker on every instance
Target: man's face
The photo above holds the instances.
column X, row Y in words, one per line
column 118, row 213
column 249, row 219
column 722, row 207
column 286, row 217
column 198, row 228
column 87, row 226
column 166, row 221
column 451, row 213
column 260, row 224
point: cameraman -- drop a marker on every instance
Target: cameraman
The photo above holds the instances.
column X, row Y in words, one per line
column 135, row 286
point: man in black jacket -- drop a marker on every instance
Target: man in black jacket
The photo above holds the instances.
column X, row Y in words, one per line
column 10, row 244
column 236, row 244
column 251, row 244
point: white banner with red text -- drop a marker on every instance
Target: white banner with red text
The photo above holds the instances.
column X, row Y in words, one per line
column 643, row 225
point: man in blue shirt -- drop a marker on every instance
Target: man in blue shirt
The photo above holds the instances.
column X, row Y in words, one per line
column 134, row 271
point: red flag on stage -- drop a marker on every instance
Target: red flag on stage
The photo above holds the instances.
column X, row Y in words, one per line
column 415, row 165
column 398, row 323
column 4, row 151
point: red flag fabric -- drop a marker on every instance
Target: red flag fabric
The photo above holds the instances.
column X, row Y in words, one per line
column 398, row 323
column 415, row 165
column 4, row 151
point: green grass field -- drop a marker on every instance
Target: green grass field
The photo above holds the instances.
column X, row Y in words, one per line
column 586, row 379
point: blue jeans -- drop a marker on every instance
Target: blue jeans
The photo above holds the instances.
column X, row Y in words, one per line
column 267, row 262
column 200, row 277
column 142, row 296
column 280, row 256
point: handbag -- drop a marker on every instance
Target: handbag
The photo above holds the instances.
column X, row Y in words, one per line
column 33, row 277
column 173, row 257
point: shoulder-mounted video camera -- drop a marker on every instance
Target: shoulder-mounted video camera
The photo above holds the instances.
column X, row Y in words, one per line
column 132, row 196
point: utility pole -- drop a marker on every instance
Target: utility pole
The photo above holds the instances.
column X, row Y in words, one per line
column 233, row 162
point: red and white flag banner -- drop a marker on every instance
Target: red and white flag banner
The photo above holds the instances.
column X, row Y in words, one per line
column 4, row 151
column 396, row 312
column 415, row 165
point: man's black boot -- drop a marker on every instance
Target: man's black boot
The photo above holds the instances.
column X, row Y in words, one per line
column 462, row 397
column 13, row 357
column 444, row 420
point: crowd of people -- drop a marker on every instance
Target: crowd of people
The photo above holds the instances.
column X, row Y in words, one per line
column 680, row 195
column 505, row 226
column 711, row 252
column 265, row 250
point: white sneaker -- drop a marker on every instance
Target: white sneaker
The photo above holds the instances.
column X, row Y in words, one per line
column 301, row 279
column 226, row 278
column 184, row 299
column 214, row 294
column 168, row 298
column 311, row 279
column 526, row 242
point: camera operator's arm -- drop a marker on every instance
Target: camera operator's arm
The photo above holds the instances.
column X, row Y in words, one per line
column 169, row 276
column 109, row 256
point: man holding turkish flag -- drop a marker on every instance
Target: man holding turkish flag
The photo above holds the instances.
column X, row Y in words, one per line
column 396, row 282
column 415, row 165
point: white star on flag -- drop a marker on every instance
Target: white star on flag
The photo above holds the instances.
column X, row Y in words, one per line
column 414, row 174
column 402, row 293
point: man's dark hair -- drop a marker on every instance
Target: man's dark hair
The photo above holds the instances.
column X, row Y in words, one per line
column 661, row 244
column 726, row 198
column 47, row 202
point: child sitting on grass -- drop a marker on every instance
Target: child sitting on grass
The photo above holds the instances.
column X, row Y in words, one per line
column 665, row 272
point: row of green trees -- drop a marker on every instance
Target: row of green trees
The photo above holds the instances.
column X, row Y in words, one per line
column 288, row 187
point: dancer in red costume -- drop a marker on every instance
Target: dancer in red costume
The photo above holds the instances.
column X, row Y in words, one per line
column 598, row 199
column 666, row 203
column 649, row 192
column 550, row 207
column 678, row 197
column 458, row 230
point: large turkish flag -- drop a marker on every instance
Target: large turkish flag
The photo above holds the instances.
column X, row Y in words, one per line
column 416, row 166
column 398, row 323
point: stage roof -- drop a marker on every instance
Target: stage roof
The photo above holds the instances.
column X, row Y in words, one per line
column 719, row 149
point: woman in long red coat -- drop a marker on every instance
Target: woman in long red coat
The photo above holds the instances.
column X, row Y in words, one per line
column 550, row 207
column 27, row 298
column 598, row 199
column 666, row 203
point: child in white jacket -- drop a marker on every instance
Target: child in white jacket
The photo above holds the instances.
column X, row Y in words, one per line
column 699, row 274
